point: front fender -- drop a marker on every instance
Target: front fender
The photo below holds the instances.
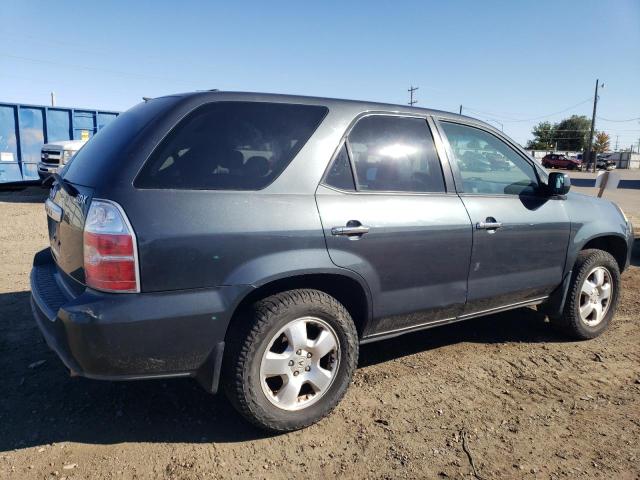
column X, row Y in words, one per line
column 593, row 218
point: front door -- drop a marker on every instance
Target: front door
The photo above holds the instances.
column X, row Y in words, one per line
column 520, row 236
column 387, row 214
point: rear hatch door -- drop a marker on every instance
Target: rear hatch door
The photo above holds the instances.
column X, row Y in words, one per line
column 66, row 213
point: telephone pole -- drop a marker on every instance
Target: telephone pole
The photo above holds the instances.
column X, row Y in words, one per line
column 616, row 149
column 412, row 89
column 460, row 109
column 593, row 125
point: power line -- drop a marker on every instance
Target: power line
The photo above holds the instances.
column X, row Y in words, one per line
column 610, row 120
column 510, row 119
column 98, row 69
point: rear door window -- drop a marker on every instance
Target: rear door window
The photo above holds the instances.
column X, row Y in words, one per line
column 395, row 154
column 231, row 146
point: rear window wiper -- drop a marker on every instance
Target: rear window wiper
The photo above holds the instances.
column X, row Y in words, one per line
column 66, row 186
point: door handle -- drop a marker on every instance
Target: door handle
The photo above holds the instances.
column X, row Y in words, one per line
column 488, row 224
column 353, row 228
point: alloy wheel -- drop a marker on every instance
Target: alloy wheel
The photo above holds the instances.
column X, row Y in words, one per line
column 300, row 363
column 595, row 296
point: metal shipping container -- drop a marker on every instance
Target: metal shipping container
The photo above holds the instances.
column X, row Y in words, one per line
column 25, row 128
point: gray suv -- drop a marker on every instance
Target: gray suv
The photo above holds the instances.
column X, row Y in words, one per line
column 254, row 241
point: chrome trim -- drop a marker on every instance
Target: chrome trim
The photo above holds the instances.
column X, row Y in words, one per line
column 488, row 311
column 419, row 326
column 435, row 323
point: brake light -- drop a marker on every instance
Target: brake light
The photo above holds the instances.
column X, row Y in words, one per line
column 110, row 251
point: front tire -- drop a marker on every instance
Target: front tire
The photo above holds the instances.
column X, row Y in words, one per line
column 290, row 359
column 593, row 295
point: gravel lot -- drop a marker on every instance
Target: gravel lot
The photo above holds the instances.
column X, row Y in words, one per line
column 499, row 397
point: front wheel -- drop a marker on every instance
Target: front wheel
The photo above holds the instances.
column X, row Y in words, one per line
column 593, row 295
column 290, row 360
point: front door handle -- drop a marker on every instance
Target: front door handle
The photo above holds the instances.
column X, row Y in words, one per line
column 353, row 228
column 489, row 224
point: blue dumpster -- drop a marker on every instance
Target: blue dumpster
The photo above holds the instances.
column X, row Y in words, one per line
column 25, row 128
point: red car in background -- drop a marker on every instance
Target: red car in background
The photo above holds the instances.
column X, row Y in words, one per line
column 555, row 160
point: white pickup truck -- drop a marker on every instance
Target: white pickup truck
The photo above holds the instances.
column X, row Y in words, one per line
column 55, row 155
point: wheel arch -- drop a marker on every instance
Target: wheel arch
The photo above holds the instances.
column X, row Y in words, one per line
column 349, row 290
column 614, row 244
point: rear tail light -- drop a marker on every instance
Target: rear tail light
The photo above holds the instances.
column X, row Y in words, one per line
column 110, row 250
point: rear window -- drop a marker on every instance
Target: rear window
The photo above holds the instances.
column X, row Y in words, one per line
column 231, row 146
column 104, row 152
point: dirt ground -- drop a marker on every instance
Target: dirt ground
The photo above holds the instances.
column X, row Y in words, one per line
column 499, row 397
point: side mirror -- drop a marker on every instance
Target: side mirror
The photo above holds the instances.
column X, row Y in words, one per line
column 559, row 183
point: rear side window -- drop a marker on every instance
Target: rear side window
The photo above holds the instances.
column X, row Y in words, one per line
column 340, row 174
column 231, row 146
column 395, row 154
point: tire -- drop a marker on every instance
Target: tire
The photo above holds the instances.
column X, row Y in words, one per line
column 571, row 321
column 263, row 333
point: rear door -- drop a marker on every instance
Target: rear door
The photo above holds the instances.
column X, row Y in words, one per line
column 390, row 213
column 520, row 235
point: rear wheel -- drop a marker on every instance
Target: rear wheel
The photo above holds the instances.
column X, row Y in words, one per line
column 291, row 359
column 593, row 295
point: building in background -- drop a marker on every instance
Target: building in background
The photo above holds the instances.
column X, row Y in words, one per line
column 25, row 128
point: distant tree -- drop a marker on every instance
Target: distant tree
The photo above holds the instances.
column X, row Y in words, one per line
column 568, row 134
column 543, row 137
column 601, row 142
column 572, row 133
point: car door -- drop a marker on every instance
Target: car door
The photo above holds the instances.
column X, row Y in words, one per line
column 390, row 213
column 520, row 235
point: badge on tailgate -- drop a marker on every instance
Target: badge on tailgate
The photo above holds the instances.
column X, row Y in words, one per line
column 53, row 210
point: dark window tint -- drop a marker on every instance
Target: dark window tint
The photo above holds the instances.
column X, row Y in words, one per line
column 395, row 154
column 340, row 174
column 104, row 155
column 487, row 164
column 231, row 146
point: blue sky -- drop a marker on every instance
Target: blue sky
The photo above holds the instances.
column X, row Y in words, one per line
column 512, row 61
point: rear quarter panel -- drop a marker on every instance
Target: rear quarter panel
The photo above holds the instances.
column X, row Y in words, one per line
column 199, row 239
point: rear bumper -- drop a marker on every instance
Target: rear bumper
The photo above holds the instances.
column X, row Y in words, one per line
column 132, row 336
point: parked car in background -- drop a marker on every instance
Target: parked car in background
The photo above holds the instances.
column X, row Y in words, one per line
column 555, row 160
column 254, row 241
column 55, row 155
column 603, row 163
column 475, row 161
column 497, row 161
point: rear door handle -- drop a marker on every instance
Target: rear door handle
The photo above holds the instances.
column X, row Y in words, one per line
column 489, row 224
column 353, row 228
column 361, row 230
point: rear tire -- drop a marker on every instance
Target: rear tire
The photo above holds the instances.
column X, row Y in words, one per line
column 289, row 359
column 592, row 297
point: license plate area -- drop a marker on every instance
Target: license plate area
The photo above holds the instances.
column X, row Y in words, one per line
column 54, row 212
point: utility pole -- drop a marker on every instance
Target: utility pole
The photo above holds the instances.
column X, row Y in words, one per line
column 593, row 125
column 412, row 89
column 616, row 149
column 53, row 99
column 460, row 109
